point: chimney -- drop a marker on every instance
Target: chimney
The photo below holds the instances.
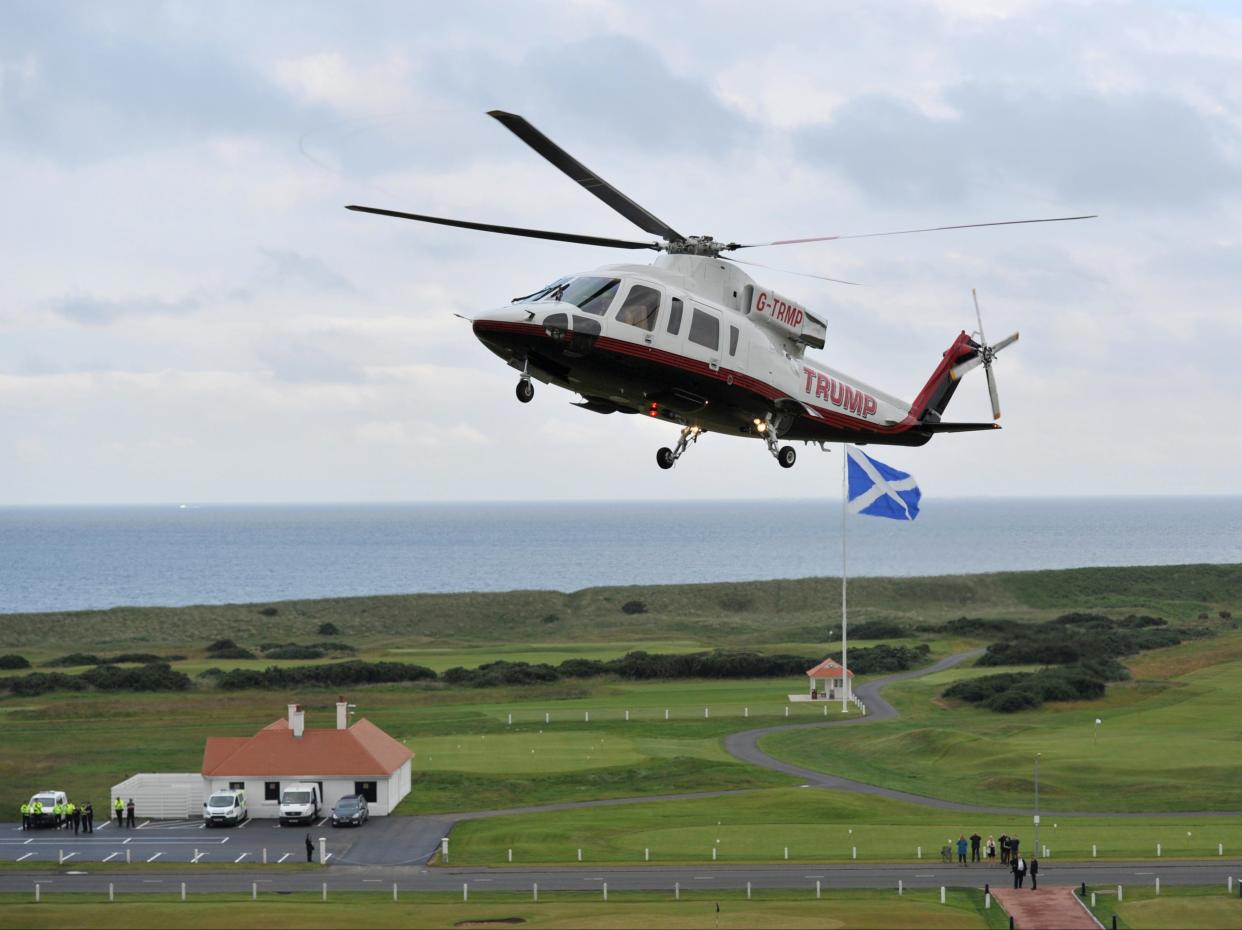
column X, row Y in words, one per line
column 297, row 720
column 342, row 714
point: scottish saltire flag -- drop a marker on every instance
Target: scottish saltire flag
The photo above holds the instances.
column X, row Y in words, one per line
column 877, row 490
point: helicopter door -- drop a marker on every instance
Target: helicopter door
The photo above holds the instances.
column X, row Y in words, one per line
column 702, row 336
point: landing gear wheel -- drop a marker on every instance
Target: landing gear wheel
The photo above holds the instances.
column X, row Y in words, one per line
column 665, row 459
column 787, row 456
column 525, row 391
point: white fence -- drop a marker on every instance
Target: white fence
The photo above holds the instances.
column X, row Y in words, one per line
column 162, row 795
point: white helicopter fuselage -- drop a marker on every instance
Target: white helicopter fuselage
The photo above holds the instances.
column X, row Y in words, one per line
column 694, row 340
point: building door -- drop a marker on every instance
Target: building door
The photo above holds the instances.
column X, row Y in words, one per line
column 368, row 789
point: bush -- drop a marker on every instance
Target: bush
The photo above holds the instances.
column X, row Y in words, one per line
column 154, row 677
column 268, row 611
column 978, row 627
column 1225, row 615
column 335, row 675
column 551, row 618
column 43, row 682
column 878, row 629
column 212, row 672
column 236, row 652
column 633, row 607
column 221, row 645
column 328, row 629
column 141, row 658
column 74, row 658
column 293, row 651
column 14, row 661
column 1008, row 702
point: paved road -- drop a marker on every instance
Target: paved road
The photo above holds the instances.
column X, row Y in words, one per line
column 618, row 878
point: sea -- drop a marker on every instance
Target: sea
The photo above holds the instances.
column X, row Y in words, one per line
column 85, row 558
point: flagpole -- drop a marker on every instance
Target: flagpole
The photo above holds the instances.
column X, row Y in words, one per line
column 845, row 496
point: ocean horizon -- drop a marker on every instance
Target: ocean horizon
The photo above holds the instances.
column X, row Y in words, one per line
column 88, row 557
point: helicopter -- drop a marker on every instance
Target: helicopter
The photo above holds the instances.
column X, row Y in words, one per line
column 693, row 340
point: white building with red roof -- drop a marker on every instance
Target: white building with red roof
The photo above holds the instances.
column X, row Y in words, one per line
column 348, row 759
column 828, row 680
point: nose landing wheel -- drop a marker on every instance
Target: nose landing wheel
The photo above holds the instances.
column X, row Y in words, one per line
column 784, row 455
column 525, row 391
column 787, row 456
column 667, row 457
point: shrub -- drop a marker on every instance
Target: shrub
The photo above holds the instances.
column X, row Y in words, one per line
column 268, row 611
column 43, row 682
column 551, row 618
column 153, row 677
column 14, row 661
column 335, row 675
column 328, row 629
column 293, row 651
column 212, row 672
column 1225, row 615
column 633, row 607
column 142, row 658
column 222, row 644
column 1008, row 702
column 878, row 629
column 74, row 658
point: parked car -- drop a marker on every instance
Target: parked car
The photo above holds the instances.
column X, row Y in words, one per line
column 350, row 811
column 225, row 809
column 299, row 803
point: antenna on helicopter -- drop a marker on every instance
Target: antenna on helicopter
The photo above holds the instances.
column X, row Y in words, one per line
column 984, row 357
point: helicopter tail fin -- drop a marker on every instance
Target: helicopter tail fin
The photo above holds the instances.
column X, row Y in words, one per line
column 929, row 405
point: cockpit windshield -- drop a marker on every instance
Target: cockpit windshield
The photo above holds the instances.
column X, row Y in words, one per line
column 589, row 293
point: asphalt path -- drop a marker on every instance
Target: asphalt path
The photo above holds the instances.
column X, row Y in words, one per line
column 588, row 878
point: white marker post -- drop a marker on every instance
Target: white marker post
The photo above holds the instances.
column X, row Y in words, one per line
column 444, row 849
column 323, row 850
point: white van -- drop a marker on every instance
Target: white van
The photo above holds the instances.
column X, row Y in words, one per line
column 225, row 808
column 299, row 803
column 48, row 799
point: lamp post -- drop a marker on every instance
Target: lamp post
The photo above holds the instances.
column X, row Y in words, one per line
column 1035, row 851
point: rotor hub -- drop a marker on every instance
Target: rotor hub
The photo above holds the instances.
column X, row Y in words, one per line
column 696, row 245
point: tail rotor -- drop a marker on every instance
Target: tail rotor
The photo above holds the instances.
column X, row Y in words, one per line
column 984, row 357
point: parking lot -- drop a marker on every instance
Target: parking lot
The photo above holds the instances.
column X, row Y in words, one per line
column 189, row 841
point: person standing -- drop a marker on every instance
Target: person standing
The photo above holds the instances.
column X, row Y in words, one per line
column 129, row 813
column 1019, row 871
column 119, row 807
column 1004, row 846
column 26, row 815
column 36, row 813
column 961, row 849
column 990, row 848
column 75, row 813
column 1014, row 842
column 975, row 840
column 88, row 817
column 310, row 849
column 1034, row 874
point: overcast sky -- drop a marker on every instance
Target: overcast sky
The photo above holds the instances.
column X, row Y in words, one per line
column 188, row 314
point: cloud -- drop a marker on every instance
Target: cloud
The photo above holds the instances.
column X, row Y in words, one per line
column 98, row 311
column 1133, row 149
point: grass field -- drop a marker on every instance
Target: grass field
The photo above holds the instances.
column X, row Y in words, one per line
column 1194, row 907
column 853, row 909
column 816, row 826
column 1165, row 743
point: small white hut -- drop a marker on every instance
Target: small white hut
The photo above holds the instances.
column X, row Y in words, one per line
column 828, row 679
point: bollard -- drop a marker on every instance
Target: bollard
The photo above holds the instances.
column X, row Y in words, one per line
column 825, row 710
column 511, row 720
column 920, row 853
column 1082, row 891
column 748, row 891
column 323, row 850
column 36, row 892
column 676, row 891
column 706, row 712
column 1114, row 922
column 1119, row 893
column 1157, row 850
column 854, row 852
column 586, row 716
column 1220, row 849
column 605, row 891
column 786, row 711
column 264, row 854
column 942, row 894
column 547, row 718
column 465, row 891
column 627, row 715
column 1093, row 899
column 1157, row 886
column 1010, row 922
column 579, row 855
column 900, row 890
column 1045, row 852
column 534, row 889
column 324, row 892
column 110, row 897
column 786, row 852
column 666, row 713
column 987, row 901
column 183, row 891
column 817, row 889
column 127, row 859
column 254, row 891
column 444, row 848
column 394, row 891
column 713, row 854
column 1229, row 884
column 510, row 855
column 60, row 857
column 1093, row 850
column 745, row 711
column 646, row 854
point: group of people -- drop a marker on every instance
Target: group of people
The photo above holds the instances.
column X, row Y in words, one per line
column 64, row 815
column 124, row 812
column 1010, row 855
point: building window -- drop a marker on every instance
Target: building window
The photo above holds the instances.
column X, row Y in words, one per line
column 674, row 317
column 368, row 790
column 237, row 786
column 705, row 330
column 271, row 791
column 733, row 334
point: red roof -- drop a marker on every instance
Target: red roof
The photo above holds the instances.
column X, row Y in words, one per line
column 829, row 668
column 363, row 749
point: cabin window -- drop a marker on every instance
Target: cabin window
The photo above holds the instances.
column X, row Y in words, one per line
column 733, row 334
column 591, row 294
column 674, row 317
column 641, row 306
column 367, row 789
column 271, row 791
column 705, row 330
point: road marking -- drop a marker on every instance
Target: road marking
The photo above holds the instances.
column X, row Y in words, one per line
column 240, row 858
column 126, row 842
column 68, row 857
column 1144, row 873
column 245, row 823
column 143, row 824
column 153, row 881
column 283, row 858
column 329, row 856
column 704, row 878
column 322, row 822
column 928, row 875
column 156, row 856
column 111, row 856
column 27, row 856
column 202, row 826
column 102, row 825
column 380, row 879
column 812, row 876
column 223, row 841
column 199, row 855
column 28, row 842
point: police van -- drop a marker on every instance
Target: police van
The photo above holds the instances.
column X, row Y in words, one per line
column 49, row 799
column 225, row 808
column 299, row 803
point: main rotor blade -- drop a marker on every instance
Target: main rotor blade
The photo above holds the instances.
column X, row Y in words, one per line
column 904, row 232
column 513, row 230
column 804, row 274
column 640, row 217
column 992, row 392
